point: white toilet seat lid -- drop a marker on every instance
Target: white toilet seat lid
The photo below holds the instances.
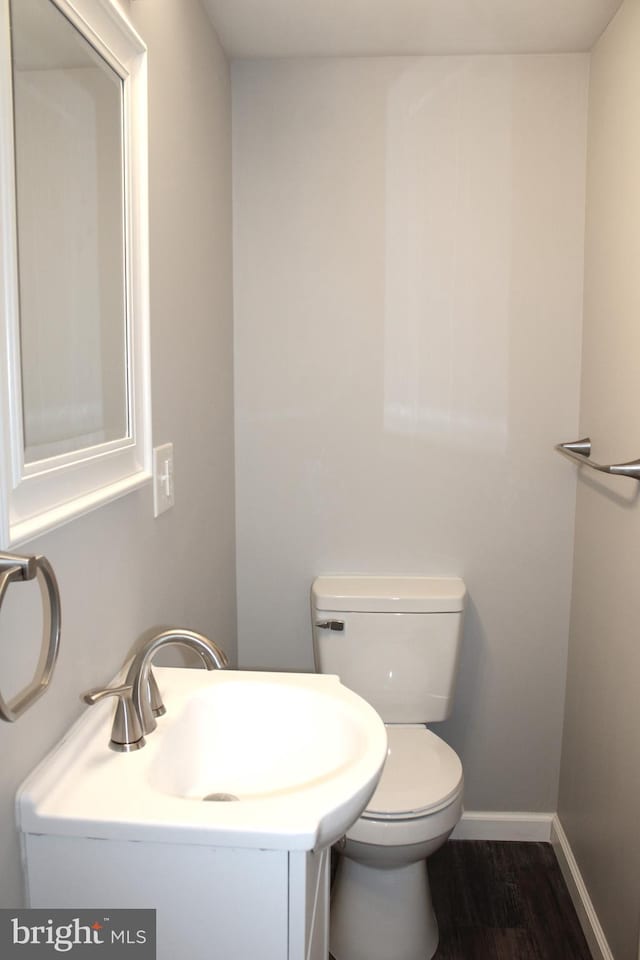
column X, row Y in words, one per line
column 422, row 774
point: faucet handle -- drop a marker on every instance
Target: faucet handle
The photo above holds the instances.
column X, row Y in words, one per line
column 155, row 704
column 126, row 734
column 158, row 708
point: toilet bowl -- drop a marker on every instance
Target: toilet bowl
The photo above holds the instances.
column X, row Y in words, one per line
column 395, row 641
column 381, row 904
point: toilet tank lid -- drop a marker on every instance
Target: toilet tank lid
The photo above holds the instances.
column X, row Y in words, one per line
column 365, row 594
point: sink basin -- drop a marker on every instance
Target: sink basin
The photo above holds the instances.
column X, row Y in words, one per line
column 241, row 759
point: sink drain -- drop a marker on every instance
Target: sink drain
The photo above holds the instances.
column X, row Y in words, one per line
column 221, row 796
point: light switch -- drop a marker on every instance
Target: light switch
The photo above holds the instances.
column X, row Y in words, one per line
column 163, row 489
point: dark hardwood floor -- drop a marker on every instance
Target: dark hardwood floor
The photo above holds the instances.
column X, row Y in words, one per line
column 503, row 901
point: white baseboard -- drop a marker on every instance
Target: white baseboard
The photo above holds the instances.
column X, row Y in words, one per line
column 587, row 916
column 500, row 825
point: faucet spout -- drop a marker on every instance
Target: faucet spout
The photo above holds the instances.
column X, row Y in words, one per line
column 138, row 675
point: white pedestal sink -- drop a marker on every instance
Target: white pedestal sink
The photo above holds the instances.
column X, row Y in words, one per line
column 301, row 753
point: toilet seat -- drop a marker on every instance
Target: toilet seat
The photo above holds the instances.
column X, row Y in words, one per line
column 421, row 775
column 419, row 796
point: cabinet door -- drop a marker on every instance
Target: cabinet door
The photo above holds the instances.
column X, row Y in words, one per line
column 212, row 903
column 309, row 905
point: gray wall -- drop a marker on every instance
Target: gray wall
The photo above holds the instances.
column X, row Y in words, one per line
column 408, row 239
column 600, row 777
column 122, row 572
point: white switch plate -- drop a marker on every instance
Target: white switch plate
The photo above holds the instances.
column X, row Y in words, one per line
column 163, row 489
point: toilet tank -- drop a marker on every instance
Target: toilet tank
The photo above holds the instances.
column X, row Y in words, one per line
column 393, row 640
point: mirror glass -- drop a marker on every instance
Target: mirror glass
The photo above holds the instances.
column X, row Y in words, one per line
column 70, row 197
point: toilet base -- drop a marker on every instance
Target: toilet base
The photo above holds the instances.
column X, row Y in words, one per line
column 378, row 914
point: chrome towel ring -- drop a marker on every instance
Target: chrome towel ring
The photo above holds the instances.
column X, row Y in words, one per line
column 15, row 568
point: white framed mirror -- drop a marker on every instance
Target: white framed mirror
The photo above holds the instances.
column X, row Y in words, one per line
column 74, row 353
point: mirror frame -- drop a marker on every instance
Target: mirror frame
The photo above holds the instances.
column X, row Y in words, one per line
column 39, row 496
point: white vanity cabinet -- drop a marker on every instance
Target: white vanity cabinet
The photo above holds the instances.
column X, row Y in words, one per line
column 212, row 903
column 244, row 880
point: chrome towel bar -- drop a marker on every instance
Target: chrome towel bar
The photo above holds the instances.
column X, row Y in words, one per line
column 15, row 568
column 580, row 451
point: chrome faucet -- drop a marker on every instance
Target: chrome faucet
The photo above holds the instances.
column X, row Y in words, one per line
column 138, row 675
column 139, row 701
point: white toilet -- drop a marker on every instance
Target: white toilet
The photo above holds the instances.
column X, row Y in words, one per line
column 394, row 641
